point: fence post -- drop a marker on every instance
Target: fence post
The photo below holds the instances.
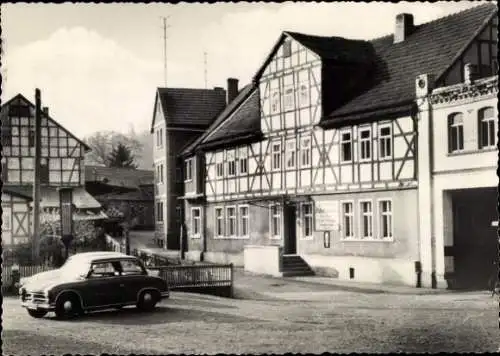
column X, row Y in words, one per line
column 231, row 292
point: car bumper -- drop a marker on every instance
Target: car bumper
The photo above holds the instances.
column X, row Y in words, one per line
column 37, row 306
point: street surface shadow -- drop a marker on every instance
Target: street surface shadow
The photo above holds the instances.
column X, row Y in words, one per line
column 200, row 303
column 160, row 315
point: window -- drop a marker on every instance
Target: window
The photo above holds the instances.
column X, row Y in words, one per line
column 159, row 137
column 346, row 147
column 243, row 165
column 231, row 220
column 6, row 136
column 385, row 142
column 366, row 219
column 159, row 173
column 243, row 225
column 105, row 269
column 275, row 102
column 365, row 143
column 287, row 49
column 231, row 164
column 455, row 132
column 276, row 156
column 131, row 267
column 188, row 174
column 219, row 222
column 290, row 154
column 275, row 221
column 288, row 99
column 305, row 155
column 487, row 131
column 220, row 169
column 348, row 220
column 385, row 222
column 31, row 138
column 307, row 217
column 304, row 96
column 159, row 211
column 195, row 222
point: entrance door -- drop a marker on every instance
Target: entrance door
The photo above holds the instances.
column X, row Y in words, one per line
column 290, row 217
column 475, row 241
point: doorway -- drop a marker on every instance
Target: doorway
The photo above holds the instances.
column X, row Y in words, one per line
column 290, row 220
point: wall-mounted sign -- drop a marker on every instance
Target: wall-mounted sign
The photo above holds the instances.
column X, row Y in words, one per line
column 327, row 215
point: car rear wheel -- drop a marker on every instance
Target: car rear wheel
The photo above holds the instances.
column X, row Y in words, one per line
column 148, row 300
column 37, row 313
column 68, row 306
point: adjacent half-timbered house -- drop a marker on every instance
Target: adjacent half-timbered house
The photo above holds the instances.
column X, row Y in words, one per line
column 326, row 156
column 62, row 167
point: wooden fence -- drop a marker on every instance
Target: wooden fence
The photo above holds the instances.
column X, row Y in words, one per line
column 209, row 278
column 24, row 271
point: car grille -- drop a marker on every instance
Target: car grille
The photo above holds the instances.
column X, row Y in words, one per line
column 37, row 298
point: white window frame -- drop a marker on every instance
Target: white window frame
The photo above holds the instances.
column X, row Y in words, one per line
column 159, row 137
column 305, row 216
column 288, row 98
column 490, row 121
column 272, row 216
column 241, row 165
column 159, row 217
column 365, row 144
column 305, row 151
column 362, row 214
column 231, row 163
column 456, row 126
column 195, row 235
column 342, row 142
column 352, row 216
column 385, row 141
column 219, row 234
column 291, row 154
column 276, row 156
column 229, row 219
column 381, row 214
column 189, row 172
column 219, row 170
column 243, row 220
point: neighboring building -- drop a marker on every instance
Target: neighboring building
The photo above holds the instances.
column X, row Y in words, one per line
column 61, row 167
column 116, row 188
column 180, row 116
column 364, row 158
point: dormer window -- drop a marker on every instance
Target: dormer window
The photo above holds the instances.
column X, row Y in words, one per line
column 287, row 49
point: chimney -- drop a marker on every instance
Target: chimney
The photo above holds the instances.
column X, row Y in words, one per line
column 45, row 110
column 470, row 73
column 404, row 27
column 232, row 89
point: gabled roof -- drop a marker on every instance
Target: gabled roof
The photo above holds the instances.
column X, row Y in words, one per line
column 230, row 108
column 5, row 113
column 190, row 108
column 431, row 48
column 120, row 177
column 244, row 123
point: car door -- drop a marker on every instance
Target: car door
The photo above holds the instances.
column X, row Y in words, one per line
column 134, row 278
column 104, row 285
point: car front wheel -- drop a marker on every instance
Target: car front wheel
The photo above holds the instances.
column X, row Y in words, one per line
column 68, row 306
column 37, row 313
column 148, row 300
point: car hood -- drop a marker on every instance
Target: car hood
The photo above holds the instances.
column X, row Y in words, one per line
column 45, row 280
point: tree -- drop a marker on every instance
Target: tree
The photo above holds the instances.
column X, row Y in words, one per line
column 102, row 143
column 121, row 157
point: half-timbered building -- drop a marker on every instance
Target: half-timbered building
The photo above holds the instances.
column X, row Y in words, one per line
column 61, row 173
column 334, row 156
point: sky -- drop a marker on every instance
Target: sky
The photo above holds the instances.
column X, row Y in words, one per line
column 98, row 65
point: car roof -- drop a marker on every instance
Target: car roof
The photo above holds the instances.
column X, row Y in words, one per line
column 99, row 255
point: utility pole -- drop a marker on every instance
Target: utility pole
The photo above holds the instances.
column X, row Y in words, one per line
column 205, row 67
column 36, row 182
column 165, row 27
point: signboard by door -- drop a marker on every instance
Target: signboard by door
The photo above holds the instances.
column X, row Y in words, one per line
column 327, row 215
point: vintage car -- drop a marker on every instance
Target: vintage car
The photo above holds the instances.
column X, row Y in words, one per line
column 91, row 281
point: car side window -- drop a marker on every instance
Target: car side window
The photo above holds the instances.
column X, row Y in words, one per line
column 131, row 267
column 104, row 269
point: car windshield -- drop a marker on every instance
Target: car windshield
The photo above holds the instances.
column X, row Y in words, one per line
column 75, row 268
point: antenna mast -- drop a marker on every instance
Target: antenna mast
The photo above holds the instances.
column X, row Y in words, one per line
column 165, row 27
column 205, row 67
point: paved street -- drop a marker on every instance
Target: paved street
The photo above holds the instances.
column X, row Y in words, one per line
column 289, row 319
